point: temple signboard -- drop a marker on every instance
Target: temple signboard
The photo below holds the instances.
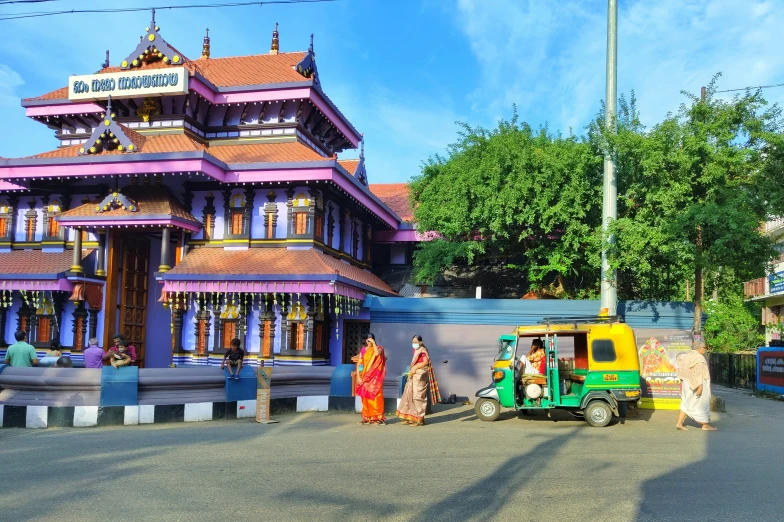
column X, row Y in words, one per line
column 128, row 84
column 776, row 283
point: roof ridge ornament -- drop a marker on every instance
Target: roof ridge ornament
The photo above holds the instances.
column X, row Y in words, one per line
column 361, row 173
column 307, row 66
column 205, row 48
column 152, row 47
column 116, row 200
column 275, row 47
column 107, row 136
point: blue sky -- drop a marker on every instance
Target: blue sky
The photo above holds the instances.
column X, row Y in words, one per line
column 405, row 71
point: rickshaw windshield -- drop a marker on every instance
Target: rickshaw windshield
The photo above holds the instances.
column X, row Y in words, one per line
column 505, row 350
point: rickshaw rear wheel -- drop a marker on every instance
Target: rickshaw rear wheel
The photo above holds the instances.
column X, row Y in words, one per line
column 487, row 409
column 598, row 414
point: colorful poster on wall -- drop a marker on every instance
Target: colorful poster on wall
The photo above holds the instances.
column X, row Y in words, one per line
column 658, row 351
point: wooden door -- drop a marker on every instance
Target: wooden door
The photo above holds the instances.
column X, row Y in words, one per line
column 133, row 306
column 354, row 333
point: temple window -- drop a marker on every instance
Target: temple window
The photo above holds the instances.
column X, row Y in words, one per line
column 300, row 223
column 228, row 327
column 5, row 218
column 297, row 318
column 236, row 218
column 30, row 221
column 44, row 323
column 30, row 229
column 237, row 222
column 52, row 227
column 202, row 330
column 229, row 332
column 301, row 210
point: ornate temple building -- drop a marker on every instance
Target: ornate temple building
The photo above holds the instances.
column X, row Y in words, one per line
column 192, row 201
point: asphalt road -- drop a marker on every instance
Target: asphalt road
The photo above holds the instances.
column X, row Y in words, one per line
column 319, row 466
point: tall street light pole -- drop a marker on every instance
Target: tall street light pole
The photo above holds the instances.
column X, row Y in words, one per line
column 609, row 296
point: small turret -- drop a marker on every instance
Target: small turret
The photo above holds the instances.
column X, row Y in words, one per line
column 205, row 49
column 275, row 47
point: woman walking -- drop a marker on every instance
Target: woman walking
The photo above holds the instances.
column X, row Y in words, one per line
column 695, row 387
column 371, row 370
column 413, row 404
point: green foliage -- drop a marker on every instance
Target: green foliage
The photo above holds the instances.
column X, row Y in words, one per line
column 732, row 325
column 524, row 199
column 693, row 191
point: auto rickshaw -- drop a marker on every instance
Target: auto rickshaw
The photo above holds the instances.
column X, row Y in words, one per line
column 596, row 384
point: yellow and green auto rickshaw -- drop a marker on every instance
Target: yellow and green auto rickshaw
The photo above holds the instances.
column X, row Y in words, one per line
column 591, row 369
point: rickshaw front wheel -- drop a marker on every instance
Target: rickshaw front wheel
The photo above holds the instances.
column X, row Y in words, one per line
column 598, row 414
column 487, row 409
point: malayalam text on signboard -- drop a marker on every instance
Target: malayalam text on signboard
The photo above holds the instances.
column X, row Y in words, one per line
column 776, row 283
column 772, row 368
column 128, row 84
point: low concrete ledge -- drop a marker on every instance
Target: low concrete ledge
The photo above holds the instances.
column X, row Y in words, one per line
column 44, row 397
column 89, row 416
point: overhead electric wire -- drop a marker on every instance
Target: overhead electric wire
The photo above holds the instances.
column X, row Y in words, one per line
column 39, row 14
column 749, row 88
column 9, row 2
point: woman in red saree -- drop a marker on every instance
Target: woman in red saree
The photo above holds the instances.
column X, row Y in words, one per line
column 371, row 370
column 413, row 403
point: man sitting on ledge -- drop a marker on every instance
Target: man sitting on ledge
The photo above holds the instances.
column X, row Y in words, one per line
column 120, row 340
column 121, row 356
column 235, row 354
column 21, row 354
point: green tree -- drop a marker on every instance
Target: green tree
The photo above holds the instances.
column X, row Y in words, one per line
column 527, row 199
column 732, row 325
column 695, row 189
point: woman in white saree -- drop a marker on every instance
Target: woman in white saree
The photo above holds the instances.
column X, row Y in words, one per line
column 695, row 387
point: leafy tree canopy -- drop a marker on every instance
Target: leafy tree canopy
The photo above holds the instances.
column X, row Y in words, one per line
column 693, row 191
column 526, row 199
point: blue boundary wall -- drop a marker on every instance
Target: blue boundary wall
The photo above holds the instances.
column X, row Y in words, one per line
column 637, row 314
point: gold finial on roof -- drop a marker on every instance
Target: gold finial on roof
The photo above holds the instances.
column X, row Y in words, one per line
column 275, row 41
column 205, row 50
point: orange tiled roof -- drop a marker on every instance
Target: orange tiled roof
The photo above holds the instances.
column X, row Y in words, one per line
column 152, row 200
column 37, row 261
column 271, row 262
column 145, row 144
column 257, row 69
column 350, row 165
column 395, row 196
column 283, row 152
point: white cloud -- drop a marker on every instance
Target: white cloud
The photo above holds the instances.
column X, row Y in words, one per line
column 549, row 57
column 10, row 80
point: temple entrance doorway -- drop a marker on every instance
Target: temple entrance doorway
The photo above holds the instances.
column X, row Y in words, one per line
column 355, row 333
column 128, row 274
column 133, row 306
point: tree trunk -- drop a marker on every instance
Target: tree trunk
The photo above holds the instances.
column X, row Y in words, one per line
column 697, row 327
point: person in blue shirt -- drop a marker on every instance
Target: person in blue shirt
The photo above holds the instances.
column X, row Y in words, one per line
column 21, row 354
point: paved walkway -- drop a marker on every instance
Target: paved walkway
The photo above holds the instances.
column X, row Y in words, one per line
column 319, row 466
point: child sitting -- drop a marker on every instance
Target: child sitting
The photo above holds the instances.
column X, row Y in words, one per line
column 121, row 357
column 234, row 356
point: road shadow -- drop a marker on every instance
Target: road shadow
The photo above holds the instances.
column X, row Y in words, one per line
column 731, row 474
column 483, row 499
